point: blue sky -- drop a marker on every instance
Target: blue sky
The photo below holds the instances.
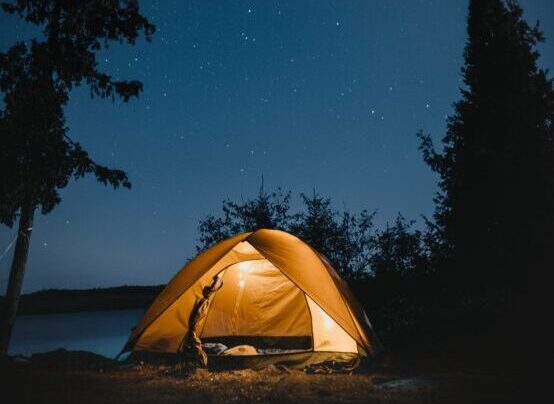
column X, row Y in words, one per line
column 309, row 94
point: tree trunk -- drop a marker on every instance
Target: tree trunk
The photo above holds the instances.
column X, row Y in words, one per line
column 16, row 276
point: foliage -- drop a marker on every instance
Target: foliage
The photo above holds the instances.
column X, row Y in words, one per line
column 494, row 213
column 37, row 157
column 348, row 240
column 266, row 211
column 403, row 282
column 344, row 238
column 399, row 252
column 74, row 32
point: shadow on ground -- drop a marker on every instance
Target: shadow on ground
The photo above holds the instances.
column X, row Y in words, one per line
column 84, row 377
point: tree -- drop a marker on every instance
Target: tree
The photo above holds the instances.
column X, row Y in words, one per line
column 266, row 211
column 401, row 286
column 399, row 252
column 354, row 244
column 317, row 225
column 344, row 238
column 37, row 156
column 495, row 209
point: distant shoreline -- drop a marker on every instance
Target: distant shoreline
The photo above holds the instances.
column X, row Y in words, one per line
column 51, row 301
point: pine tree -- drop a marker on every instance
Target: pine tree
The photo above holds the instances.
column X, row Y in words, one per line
column 495, row 209
column 37, row 157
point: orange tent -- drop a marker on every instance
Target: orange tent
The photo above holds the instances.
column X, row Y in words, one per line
column 274, row 287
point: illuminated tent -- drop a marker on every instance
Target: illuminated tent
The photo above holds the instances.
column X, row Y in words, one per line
column 278, row 295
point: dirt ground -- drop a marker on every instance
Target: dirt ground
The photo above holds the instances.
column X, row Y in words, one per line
column 29, row 383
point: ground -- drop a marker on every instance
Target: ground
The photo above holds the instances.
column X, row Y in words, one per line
column 39, row 382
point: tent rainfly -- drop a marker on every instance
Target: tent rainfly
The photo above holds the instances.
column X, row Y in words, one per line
column 266, row 296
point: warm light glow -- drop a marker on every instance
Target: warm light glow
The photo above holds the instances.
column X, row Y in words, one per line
column 241, row 284
column 244, row 247
column 245, row 266
column 327, row 321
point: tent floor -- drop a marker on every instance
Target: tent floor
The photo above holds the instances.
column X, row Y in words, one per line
column 297, row 360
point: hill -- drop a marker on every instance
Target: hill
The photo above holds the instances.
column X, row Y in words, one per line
column 97, row 299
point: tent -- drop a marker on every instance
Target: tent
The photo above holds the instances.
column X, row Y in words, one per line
column 266, row 290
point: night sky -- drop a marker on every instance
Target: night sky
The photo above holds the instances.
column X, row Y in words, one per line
column 310, row 94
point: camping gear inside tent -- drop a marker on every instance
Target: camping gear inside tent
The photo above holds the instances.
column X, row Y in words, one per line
column 258, row 298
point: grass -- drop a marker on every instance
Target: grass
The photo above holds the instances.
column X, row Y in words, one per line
column 32, row 383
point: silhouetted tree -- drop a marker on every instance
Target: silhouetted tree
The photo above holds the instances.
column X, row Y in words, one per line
column 354, row 244
column 401, row 282
column 317, row 225
column 399, row 252
column 344, row 238
column 266, row 211
column 37, row 157
column 495, row 212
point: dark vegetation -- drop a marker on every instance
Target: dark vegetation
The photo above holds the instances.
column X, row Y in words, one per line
column 472, row 284
column 37, row 157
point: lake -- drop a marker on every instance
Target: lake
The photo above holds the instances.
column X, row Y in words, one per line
column 101, row 332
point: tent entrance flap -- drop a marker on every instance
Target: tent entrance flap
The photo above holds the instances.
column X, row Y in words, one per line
column 257, row 300
column 192, row 344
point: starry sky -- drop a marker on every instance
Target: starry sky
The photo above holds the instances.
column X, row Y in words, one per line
column 324, row 95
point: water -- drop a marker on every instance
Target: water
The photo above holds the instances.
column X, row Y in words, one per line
column 101, row 332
